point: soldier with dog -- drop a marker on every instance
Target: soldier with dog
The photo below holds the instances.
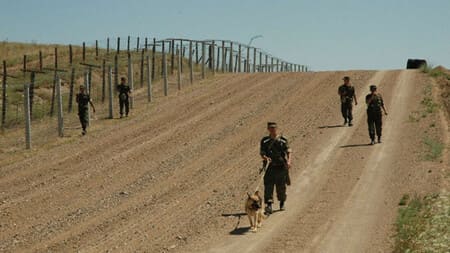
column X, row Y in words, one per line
column 275, row 151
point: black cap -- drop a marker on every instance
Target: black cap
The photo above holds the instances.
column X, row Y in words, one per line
column 373, row 87
column 271, row 125
column 346, row 78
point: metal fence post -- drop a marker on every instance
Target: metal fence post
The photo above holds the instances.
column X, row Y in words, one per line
column 26, row 97
column 149, row 80
column 60, row 108
column 191, row 63
column 203, row 59
column 179, row 71
column 130, row 78
column 164, row 67
column 4, row 94
column 110, row 84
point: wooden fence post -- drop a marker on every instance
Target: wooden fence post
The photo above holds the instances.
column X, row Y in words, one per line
column 88, row 88
column 137, row 45
column 26, row 103
column 191, row 64
column 96, row 49
column 130, row 78
column 103, row 80
column 231, row 57
column 84, row 51
column 247, row 64
column 179, row 71
column 254, row 60
column 116, row 70
column 153, row 58
column 149, row 80
column 196, row 53
column 118, row 45
column 107, row 46
column 70, row 55
column 266, row 69
column 239, row 58
column 60, row 108
column 4, row 94
column 146, row 44
column 203, row 59
column 172, row 58
column 141, row 78
column 271, row 64
column 182, row 55
column 164, row 68
column 110, row 92
column 40, row 61
column 24, row 64
column 212, row 58
column 71, row 88
column 260, row 62
column 128, row 44
column 224, row 56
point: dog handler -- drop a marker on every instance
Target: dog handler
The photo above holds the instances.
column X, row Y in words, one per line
column 275, row 150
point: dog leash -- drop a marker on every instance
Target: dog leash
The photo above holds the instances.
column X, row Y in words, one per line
column 263, row 173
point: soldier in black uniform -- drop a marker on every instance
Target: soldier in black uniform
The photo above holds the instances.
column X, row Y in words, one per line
column 275, row 150
column 375, row 103
column 83, row 101
column 124, row 96
column 347, row 94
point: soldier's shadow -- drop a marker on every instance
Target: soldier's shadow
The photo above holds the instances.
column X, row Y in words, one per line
column 330, row 126
column 355, row 145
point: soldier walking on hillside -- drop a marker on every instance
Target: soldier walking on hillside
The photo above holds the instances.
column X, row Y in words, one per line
column 375, row 103
column 124, row 97
column 347, row 94
column 275, row 150
column 83, row 99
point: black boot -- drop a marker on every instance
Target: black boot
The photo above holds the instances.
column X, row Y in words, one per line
column 379, row 139
column 268, row 210
column 282, row 208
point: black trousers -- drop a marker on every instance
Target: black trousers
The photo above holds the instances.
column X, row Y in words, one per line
column 346, row 109
column 84, row 119
column 375, row 122
column 275, row 177
column 124, row 103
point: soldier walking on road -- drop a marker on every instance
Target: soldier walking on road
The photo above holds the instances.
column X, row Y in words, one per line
column 124, row 96
column 83, row 101
column 375, row 104
column 275, row 150
column 347, row 94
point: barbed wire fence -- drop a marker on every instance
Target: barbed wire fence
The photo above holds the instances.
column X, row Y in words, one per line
column 46, row 83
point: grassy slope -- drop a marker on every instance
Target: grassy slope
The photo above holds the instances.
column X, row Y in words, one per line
column 423, row 223
column 13, row 53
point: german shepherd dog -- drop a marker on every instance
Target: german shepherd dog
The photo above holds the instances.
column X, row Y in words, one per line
column 254, row 210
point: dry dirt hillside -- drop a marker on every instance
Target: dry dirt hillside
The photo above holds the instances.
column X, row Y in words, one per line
column 174, row 175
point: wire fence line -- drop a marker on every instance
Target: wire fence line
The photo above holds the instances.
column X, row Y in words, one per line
column 44, row 84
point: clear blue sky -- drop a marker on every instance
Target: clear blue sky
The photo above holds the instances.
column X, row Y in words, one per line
column 324, row 34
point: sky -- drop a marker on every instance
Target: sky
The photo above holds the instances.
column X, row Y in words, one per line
column 322, row 34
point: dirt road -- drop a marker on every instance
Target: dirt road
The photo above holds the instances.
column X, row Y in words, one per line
column 173, row 177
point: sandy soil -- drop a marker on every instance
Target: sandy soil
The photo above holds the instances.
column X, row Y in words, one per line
column 173, row 177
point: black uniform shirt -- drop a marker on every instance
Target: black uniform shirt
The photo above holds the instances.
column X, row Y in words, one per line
column 347, row 93
column 276, row 149
column 375, row 104
column 83, row 101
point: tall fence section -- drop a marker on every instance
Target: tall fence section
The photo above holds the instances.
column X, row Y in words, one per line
column 45, row 84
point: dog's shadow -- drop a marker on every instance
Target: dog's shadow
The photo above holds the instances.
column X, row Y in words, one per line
column 241, row 230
